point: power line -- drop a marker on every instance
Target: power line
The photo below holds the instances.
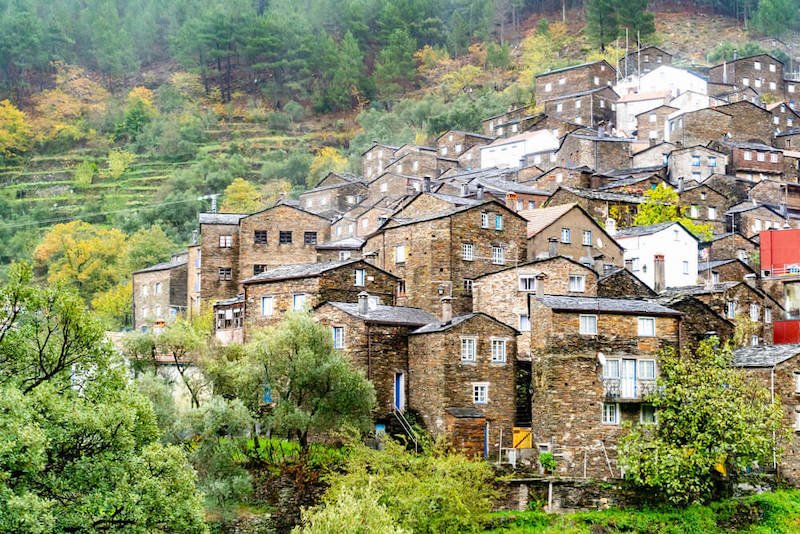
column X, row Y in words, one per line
column 66, row 219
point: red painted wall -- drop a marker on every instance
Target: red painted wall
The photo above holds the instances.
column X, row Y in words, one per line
column 786, row 332
column 779, row 248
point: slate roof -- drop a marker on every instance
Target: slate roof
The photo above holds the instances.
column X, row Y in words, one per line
column 171, row 264
column 638, row 231
column 764, row 355
column 700, row 289
column 565, row 69
column 439, row 326
column 333, row 186
column 627, row 181
column 221, row 218
column 748, row 205
column 500, row 184
column 464, row 132
column 349, row 243
column 227, row 302
column 604, row 305
column 603, row 195
column 301, row 270
column 400, row 315
column 703, row 265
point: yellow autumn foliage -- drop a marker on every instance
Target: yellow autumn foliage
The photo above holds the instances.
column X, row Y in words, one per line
column 328, row 159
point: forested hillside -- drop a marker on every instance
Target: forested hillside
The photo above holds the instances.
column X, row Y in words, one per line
column 130, row 115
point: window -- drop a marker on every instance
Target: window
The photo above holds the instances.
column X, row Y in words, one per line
column 364, row 223
column 225, row 273
column 559, row 107
column 754, row 340
column 676, row 236
column 695, row 161
column 757, row 65
column 647, row 369
column 527, row 282
column 587, row 237
column 498, row 256
column 158, row 288
column 758, row 82
column 772, row 67
column 310, row 238
column 384, row 187
column 259, row 268
column 796, row 382
column 685, row 265
column 468, row 251
column 797, row 421
column 480, row 393
column 285, row 237
column 444, row 151
column 602, row 104
column 458, row 148
column 524, row 323
column 548, row 87
column 225, row 241
column 647, row 326
column 498, row 222
column 767, row 315
column 338, row 337
column 484, row 220
column 531, row 204
column 565, row 235
column 755, row 312
column 757, row 225
column 696, row 176
column 746, row 82
column 652, row 118
column 577, row 283
column 760, row 156
column 400, row 254
column 401, row 288
column 730, row 309
column 267, row 306
column 712, row 161
column 748, row 156
column 360, row 275
column 611, row 369
column 791, row 88
column 714, row 277
column 610, row 413
column 647, row 416
column 597, row 80
column 468, row 349
column 197, row 278
column 577, row 104
column 588, row 325
column 773, row 158
column 562, row 81
column 344, row 255
column 712, row 213
column 467, row 286
column 694, row 212
column 299, row 302
column 499, row 350
column 260, row 237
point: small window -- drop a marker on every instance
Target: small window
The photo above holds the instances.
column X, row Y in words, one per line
column 767, row 315
column 310, row 238
column 498, row 222
column 647, row 415
column 730, row 309
column 577, row 104
column 676, row 236
column 484, row 220
column 338, row 337
column 746, row 82
column 562, row 81
column 772, row 67
column 647, row 369
column 259, row 268
column 712, row 213
column 225, row 273
column 344, row 255
column 498, row 256
column 588, row 325
column 587, row 237
column 467, row 286
column 360, row 275
column 610, row 413
column 260, row 237
column 299, row 302
column 480, row 393
column 754, row 340
column 559, row 107
column 565, row 235
column 760, row 156
column 400, row 254
column 694, row 212
column 225, row 241
column 267, row 306
column 597, row 80
column 685, row 266
column 499, row 350
column 748, row 156
column 524, row 323
column 714, row 277
column 695, row 161
column 611, row 369
column 548, row 87
column 468, row 349
column 285, row 237
column 384, row 187
column 468, row 251
column 401, row 288
column 773, row 158
column 755, row 312
column 158, row 288
column 652, row 118
column 757, row 65
column 647, row 327
column 527, row 282
column 797, row 382
column 577, row 283
column 712, row 161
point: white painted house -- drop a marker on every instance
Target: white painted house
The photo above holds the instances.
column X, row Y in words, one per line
column 664, row 78
column 660, row 255
column 508, row 152
column 632, row 104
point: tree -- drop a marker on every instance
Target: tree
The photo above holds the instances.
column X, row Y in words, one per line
column 394, row 66
column 114, row 307
column 328, row 159
column 776, row 17
column 313, row 386
column 241, row 197
column 710, row 418
column 148, row 246
column 662, row 204
column 633, row 16
column 119, row 161
column 602, row 25
column 16, row 136
column 184, row 343
column 355, row 511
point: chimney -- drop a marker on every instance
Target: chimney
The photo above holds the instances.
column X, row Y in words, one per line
column 464, row 190
column 658, row 273
column 540, row 284
column 363, row 303
column 426, row 184
column 680, row 184
column 447, row 309
column 600, row 265
column 195, row 235
column 479, row 192
column 611, row 226
column 601, row 131
column 552, row 247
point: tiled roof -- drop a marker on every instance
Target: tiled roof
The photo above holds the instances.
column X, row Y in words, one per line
column 400, row 315
column 637, row 231
column 605, row 305
column 540, row 218
column 162, row 266
column 301, row 270
column 764, row 355
column 221, row 218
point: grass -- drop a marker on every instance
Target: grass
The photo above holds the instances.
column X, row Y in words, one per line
column 777, row 513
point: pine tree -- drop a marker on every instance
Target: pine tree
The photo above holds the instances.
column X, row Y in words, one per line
column 602, row 25
column 633, row 15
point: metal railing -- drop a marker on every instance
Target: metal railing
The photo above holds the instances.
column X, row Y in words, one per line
column 406, row 426
column 622, row 389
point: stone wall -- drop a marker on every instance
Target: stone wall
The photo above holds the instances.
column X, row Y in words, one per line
column 152, row 295
column 650, row 124
column 698, row 321
column 214, row 257
column 623, row 284
column 727, row 247
column 699, row 127
column 744, row 296
column 577, row 222
column 743, row 73
column 580, row 78
column 704, row 198
column 552, row 179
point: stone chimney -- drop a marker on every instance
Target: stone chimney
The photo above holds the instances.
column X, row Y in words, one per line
column 426, row 184
column 447, row 309
column 611, row 226
column 479, row 192
column 680, row 184
column 464, row 190
column 363, row 303
column 540, row 278
column 552, row 247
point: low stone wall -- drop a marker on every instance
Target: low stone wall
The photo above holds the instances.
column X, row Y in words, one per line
column 568, row 494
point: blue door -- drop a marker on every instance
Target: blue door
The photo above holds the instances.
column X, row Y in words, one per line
column 486, row 439
column 399, row 391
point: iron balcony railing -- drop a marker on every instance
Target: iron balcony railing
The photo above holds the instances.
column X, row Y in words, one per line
column 620, row 389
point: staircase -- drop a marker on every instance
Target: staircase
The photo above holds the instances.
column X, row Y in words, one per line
column 406, row 426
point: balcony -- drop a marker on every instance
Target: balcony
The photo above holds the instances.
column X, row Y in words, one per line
column 627, row 390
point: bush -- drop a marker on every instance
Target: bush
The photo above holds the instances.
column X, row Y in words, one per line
column 355, row 511
column 279, row 121
column 547, row 461
column 295, row 111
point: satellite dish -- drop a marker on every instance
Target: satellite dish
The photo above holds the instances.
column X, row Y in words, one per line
column 601, row 358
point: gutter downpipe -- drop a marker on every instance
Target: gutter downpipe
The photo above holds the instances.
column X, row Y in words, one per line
column 772, row 398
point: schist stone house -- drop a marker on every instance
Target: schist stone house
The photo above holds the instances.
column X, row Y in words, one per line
column 160, row 293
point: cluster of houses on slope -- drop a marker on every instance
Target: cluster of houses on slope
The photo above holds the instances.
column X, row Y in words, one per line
column 494, row 284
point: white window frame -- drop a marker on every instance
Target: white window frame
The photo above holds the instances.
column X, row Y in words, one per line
column 267, row 310
column 640, row 369
column 299, row 301
column 480, row 392
column 499, row 350
column 797, row 382
column 469, row 349
column 225, row 241
column 641, row 414
column 587, row 325
column 610, row 413
column 359, row 277
column 577, row 283
column 755, row 311
column 524, row 322
column 642, row 328
column 608, row 368
column 527, row 280
column 338, row 337
column 685, row 267
column 498, row 256
column 587, row 237
column 399, row 254
column 468, row 251
column 484, row 220
column 767, row 315
column 566, row 236
column 712, row 213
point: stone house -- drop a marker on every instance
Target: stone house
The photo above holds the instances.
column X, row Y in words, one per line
column 569, row 230
column 453, row 143
column 699, row 320
column 706, row 205
column 731, row 93
column 462, row 380
column 651, row 123
column 738, row 302
column 784, row 117
column 594, row 360
column 749, row 122
column 776, row 367
column 754, row 161
column 621, row 283
column 657, row 154
column 601, row 205
column 375, row 159
column 269, row 295
column 788, row 139
column 644, row 60
column 696, row 163
column 344, row 249
column 504, row 294
column 579, row 177
column 489, row 124
column 440, row 254
column 661, row 255
column 415, row 161
column 631, row 185
column 219, row 255
column 393, row 185
column 698, row 127
column 791, row 166
column 750, row 218
column 728, row 245
column 375, row 339
column 333, row 199
column 159, row 293
column 229, row 320
column 601, row 153
column 281, row 235
column 193, row 280
column 635, row 102
column 778, row 194
column 559, row 82
column 729, row 270
column 365, row 218
column 593, row 108
column 762, row 72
